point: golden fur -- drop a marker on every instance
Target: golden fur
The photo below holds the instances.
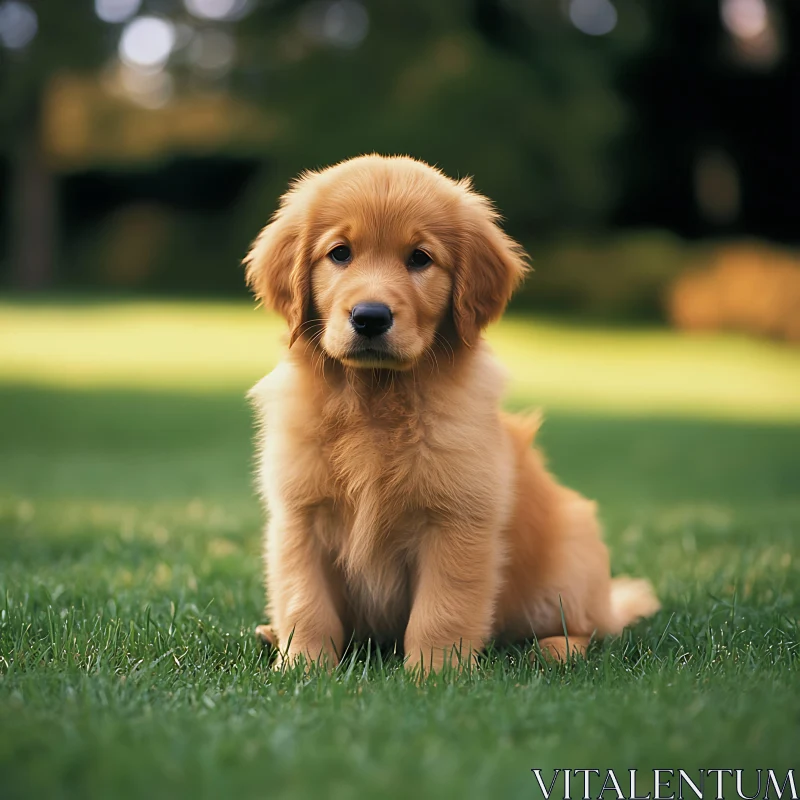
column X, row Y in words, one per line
column 404, row 505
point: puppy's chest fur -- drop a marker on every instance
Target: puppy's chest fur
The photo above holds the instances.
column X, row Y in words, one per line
column 377, row 454
column 386, row 457
column 378, row 445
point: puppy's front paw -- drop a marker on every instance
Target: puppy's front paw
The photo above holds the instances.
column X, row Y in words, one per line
column 556, row 648
column 305, row 656
column 423, row 661
column 266, row 635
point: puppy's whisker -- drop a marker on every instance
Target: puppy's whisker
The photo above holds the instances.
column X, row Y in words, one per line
column 428, row 360
column 312, row 342
column 308, row 324
column 322, row 358
column 445, row 343
column 446, row 346
column 317, row 352
column 430, row 354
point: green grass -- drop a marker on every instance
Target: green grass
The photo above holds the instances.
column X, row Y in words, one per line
column 130, row 572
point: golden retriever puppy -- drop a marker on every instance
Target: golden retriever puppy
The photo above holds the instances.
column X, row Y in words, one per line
column 404, row 505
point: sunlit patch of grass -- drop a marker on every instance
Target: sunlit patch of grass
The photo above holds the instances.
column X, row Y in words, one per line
column 649, row 371
column 197, row 346
column 214, row 346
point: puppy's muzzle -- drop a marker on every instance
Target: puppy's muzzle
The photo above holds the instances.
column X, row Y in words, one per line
column 371, row 319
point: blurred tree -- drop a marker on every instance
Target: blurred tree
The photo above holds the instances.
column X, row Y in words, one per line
column 516, row 93
column 509, row 92
column 38, row 40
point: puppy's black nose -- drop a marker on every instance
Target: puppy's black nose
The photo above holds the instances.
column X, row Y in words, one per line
column 371, row 319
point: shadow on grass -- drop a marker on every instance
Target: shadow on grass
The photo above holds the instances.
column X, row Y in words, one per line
column 129, row 444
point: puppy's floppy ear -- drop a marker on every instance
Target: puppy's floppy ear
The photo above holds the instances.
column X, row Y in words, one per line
column 491, row 266
column 277, row 267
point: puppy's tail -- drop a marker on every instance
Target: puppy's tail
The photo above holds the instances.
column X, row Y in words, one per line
column 632, row 599
column 524, row 426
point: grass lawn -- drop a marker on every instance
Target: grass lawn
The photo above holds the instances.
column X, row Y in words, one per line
column 130, row 572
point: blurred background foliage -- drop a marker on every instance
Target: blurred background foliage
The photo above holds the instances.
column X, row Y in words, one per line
column 644, row 153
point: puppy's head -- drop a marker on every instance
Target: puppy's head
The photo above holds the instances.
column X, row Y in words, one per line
column 373, row 257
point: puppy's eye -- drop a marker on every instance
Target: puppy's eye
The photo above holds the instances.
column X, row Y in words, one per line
column 419, row 259
column 340, row 255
